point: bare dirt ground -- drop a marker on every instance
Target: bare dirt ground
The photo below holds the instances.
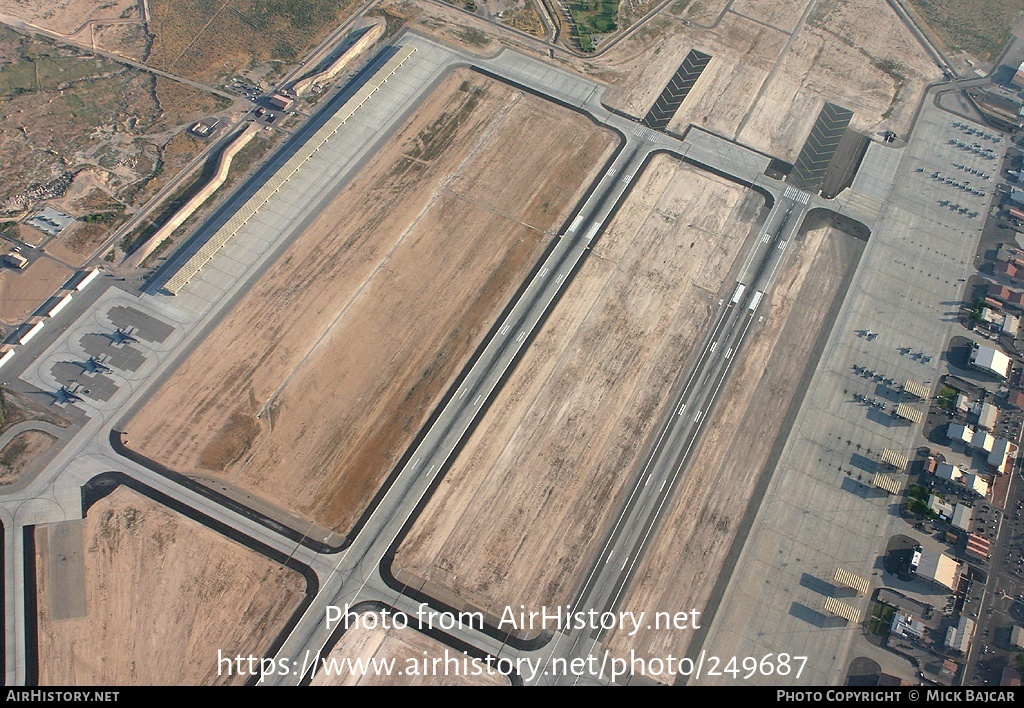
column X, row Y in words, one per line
column 30, row 235
column 971, row 28
column 62, row 112
column 129, row 39
column 307, row 395
column 17, row 407
column 703, row 13
column 781, row 15
column 89, row 195
column 524, row 16
column 469, row 33
column 210, row 41
column 682, row 565
column 853, row 52
column 517, row 516
column 408, row 650
column 162, row 594
column 23, row 291
column 743, row 54
column 76, row 245
column 69, row 16
column 21, row 452
column 763, row 93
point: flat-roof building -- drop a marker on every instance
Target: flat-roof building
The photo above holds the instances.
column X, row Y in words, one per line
column 963, row 404
column 958, row 637
column 1017, row 636
column 1001, row 453
column 983, row 441
column 1005, row 253
column 987, row 416
column 940, row 569
column 975, row 483
column 1010, row 325
column 904, row 625
column 281, row 102
column 940, row 506
column 990, row 361
column 961, row 517
column 948, row 471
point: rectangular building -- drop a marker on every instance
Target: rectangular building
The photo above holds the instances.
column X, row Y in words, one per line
column 1010, row 325
column 987, row 416
column 958, row 637
column 990, row 361
column 962, row 515
column 940, row 569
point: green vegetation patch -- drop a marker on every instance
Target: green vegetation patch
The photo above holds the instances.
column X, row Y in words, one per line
column 978, row 28
column 593, row 17
column 916, row 491
column 976, row 309
column 103, row 217
column 916, row 506
column 881, row 619
column 946, row 398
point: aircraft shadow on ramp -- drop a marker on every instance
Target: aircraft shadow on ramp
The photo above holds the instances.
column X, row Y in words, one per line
column 862, row 489
column 816, row 618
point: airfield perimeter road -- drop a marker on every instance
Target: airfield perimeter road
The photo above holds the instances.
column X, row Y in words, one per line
column 353, row 575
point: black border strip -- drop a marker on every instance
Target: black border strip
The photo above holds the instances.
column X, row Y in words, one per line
column 104, row 483
column 684, row 73
column 234, row 505
column 31, row 614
